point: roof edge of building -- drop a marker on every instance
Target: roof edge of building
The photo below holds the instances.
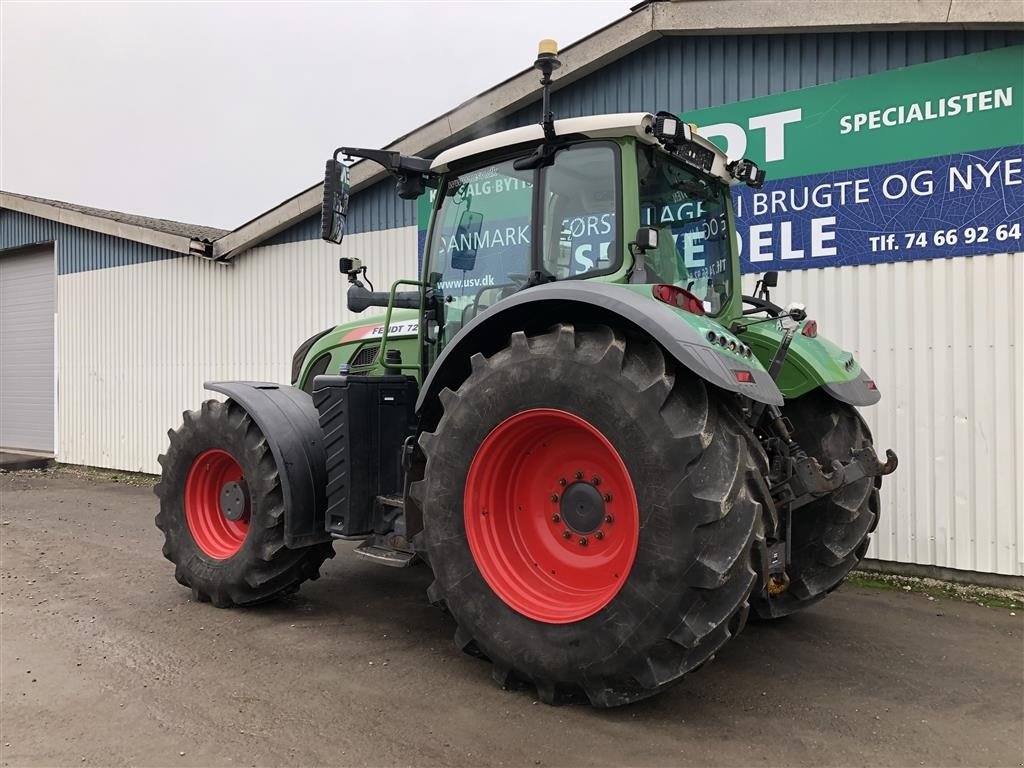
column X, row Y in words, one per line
column 107, row 226
column 647, row 22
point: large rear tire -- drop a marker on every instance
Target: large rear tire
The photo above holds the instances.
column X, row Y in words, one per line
column 592, row 516
column 222, row 513
column 830, row 535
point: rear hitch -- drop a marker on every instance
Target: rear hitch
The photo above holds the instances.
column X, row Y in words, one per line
column 809, row 481
column 800, row 479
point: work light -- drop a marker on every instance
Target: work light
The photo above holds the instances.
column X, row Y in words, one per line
column 747, row 172
column 670, row 130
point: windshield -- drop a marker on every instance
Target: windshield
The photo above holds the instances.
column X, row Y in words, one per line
column 690, row 213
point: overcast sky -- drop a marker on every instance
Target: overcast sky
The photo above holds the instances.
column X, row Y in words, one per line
column 212, row 113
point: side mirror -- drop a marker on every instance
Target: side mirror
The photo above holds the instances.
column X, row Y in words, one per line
column 646, row 239
column 467, row 238
column 335, row 204
column 768, row 280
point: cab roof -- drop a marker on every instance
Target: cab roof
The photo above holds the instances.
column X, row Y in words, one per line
column 639, row 125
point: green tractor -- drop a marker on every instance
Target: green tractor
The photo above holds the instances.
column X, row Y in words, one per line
column 604, row 452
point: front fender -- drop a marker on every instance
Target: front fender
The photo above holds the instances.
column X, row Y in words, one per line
column 291, row 427
column 576, row 301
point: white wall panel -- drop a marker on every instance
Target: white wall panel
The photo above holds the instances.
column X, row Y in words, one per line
column 137, row 342
column 942, row 338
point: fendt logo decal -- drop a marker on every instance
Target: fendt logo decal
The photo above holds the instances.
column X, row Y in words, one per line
column 395, row 331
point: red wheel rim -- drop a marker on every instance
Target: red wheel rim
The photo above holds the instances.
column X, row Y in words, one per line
column 551, row 516
column 213, row 474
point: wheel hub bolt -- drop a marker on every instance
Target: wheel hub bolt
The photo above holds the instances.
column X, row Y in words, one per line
column 595, row 480
column 607, row 497
column 566, row 534
column 599, row 535
column 609, row 519
column 554, row 497
column 579, row 475
column 556, row 518
column 562, row 481
column 583, row 541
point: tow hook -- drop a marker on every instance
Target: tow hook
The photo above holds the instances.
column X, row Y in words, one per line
column 811, row 481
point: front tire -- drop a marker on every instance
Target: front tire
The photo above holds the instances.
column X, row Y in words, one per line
column 591, row 434
column 222, row 511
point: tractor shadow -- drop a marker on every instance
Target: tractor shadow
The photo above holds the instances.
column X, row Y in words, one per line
column 767, row 662
column 366, row 597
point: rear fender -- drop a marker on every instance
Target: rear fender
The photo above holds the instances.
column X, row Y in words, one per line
column 813, row 362
column 291, row 427
column 538, row 308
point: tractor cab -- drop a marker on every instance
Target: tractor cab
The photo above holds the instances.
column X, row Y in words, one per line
column 613, row 201
column 638, row 199
column 635, row 199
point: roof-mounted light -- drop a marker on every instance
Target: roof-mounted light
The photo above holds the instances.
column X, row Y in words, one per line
column 547, row 47
column 670, row 130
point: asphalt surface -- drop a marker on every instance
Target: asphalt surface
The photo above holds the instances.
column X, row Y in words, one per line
column 106, row 661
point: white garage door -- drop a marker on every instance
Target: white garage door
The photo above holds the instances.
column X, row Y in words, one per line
column 28, row 289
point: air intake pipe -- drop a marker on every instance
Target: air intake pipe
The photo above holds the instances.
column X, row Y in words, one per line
column 360, row 299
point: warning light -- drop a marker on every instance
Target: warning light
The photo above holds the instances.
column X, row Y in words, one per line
column 744, row 377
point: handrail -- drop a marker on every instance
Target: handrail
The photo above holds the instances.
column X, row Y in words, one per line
column 382, row 349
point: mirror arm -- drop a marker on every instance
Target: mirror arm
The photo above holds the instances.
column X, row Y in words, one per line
column 412, row 173
column 392, row 162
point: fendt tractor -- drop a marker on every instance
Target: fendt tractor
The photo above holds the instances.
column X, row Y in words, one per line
column 605, row 453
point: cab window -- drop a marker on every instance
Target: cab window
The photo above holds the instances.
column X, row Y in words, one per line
column 691, row 213
column 579, row 201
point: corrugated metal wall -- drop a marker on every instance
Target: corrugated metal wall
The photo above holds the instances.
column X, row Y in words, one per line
column 942, row 339
column 680, row 74
column 78, row 249
column 136, row 342
column 376, row 207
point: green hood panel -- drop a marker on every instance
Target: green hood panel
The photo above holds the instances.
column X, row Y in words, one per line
column 344, row 341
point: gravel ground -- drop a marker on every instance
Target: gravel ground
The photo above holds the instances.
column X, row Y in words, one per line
column 106, row 661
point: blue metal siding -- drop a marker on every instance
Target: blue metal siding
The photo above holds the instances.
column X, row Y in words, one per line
column 78, row 249
column 683, row 73
column 375, row 208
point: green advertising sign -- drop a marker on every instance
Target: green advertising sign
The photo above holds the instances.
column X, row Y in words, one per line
column 963, row 103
